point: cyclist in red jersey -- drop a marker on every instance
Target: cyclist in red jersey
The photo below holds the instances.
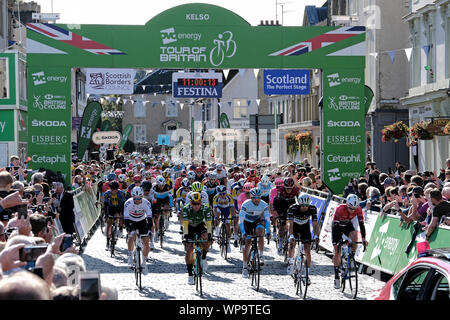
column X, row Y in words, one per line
column 342, row 224
column 253, row 178
column 286, row 196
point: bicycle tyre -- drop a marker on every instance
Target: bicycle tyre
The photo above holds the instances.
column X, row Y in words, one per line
column 161, row 230
column 139, row 268
column 102, row 222
column 113, row 239
column 343, row 269
column 286, row 249
column 303, row 279
column 258, row 269
column 223, row 238
column 353, row 276
column 199, row 274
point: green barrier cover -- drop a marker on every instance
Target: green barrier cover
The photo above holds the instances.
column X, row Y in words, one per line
column 389, row 240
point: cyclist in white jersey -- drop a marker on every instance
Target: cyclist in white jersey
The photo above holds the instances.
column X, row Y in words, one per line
column 138, row 216
column 254, row 217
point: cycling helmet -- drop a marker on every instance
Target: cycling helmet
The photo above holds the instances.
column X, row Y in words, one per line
column 265, row 180
column 252, row 172
column 288, row 182
column 241, row 182
column 304, row 199
column 183, row 173
column 219, row 167
column 160, row 180
column 191, row 175
column 147, row 174
column 247, row 187
column 130, row 173
column 221, row 189
column 114, row 185
column 197, row 186
column 165, row 174
column 185, row 183
column 146, row 185
column 352, row 201
column 196, row 197
column 255, row 193
column 137, row 193
column 117, row 172
column 278, row 182
column 122, row 177
column 111, row 176
column 137, row 178
column 213, row 176
column 158, row 165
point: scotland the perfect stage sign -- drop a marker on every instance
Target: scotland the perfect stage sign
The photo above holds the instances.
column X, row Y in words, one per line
column 286, row 82
column 197, row 85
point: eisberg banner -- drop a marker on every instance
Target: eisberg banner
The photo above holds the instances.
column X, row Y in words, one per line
column 110, row 81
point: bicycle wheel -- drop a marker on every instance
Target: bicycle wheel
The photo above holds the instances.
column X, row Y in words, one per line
column 161, row 230
column 199, row 274
column 343, row 269
column 285, row 249
column 255, row 268
column 223, row 239
column 352, row 273
column 139, row 269
column 113, row 239
column 302, row 280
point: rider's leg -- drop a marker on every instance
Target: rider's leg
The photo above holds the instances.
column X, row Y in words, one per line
column 260, row 233
column 189, row 258
column 131, row 242
column 354, row 237
column 292, row 245
column 308, row 254
column 146, row 249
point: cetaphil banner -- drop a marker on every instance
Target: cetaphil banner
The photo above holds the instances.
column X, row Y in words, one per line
column 49, row 119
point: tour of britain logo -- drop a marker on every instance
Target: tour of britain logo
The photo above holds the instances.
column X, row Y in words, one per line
column 224, row 47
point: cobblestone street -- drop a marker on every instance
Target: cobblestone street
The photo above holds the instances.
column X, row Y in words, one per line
column 167, row 277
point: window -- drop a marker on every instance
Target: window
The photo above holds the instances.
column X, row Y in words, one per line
column 4, row 79
column 139, row 109
column 240, row 108
column 140, row 133
column 412, row 285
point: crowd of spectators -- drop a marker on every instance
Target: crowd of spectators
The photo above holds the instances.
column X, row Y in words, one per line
column 36, row 215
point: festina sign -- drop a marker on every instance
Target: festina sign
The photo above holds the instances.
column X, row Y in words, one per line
column 197, row 85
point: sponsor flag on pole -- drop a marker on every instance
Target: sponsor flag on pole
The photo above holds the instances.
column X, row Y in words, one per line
column 91, row 116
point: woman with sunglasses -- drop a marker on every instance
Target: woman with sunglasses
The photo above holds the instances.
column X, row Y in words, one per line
column 342, row 224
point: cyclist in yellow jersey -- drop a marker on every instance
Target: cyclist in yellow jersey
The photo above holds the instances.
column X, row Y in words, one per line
column 223, row 204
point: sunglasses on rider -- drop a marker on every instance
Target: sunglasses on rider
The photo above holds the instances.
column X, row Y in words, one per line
column 137, row 198
column 196, row 203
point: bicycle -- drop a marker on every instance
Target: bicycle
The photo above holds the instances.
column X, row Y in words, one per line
column 114, row 232
column 197, row 256
column 222, row 240
column 348, row 267
column 137, row 259
column 218, row 53
column 300, row 274
column 253, row 266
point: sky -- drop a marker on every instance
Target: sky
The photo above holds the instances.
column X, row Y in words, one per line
column 138, row 12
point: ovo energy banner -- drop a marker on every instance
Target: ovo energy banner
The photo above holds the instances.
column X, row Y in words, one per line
column 49, row 119
column 343, row 127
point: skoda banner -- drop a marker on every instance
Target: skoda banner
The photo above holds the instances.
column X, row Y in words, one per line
column 49, row 120
column 343, row 127
column 91, row 115
column 125, row 135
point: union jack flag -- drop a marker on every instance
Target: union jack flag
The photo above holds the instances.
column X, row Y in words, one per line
column 57, row 33
column 320, row 41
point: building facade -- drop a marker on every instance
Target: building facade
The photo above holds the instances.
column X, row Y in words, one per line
column 428, row 97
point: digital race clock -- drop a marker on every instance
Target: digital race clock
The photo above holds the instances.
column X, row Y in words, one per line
column 197, row 85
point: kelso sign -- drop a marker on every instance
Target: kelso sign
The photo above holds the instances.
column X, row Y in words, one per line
column 200, row 36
